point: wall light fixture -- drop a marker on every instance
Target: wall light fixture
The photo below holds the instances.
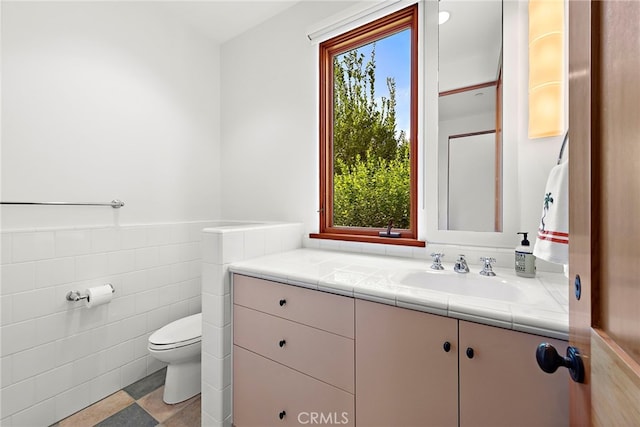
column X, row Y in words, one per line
column 546, row 68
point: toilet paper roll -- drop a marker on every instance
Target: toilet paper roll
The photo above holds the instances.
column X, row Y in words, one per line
column 98, row 295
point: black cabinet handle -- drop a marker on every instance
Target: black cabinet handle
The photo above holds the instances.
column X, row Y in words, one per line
column 282, row 414
column 549, row 360
column 282, row 343
column 469, row 352
column 283, row 302
column 446, row 346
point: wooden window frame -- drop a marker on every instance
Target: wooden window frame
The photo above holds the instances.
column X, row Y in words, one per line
column 406, row 18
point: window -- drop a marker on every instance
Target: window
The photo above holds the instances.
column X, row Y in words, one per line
column 368, row 132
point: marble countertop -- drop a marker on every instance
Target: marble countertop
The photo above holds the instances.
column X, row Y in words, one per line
column 538, row 305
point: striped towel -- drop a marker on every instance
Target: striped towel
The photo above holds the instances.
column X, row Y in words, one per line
column 552, row 243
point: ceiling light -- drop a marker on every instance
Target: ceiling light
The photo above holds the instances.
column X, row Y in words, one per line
column 443, row 17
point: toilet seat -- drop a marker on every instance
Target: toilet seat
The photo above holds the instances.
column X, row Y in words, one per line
column 179, row 333
column 164, row 347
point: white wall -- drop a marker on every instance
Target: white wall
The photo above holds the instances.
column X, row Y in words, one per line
column 100, row 100
column 269, row 119
column 105, row 100
column 269, row 124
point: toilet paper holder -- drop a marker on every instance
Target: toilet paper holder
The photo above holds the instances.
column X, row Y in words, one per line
column 77, row 296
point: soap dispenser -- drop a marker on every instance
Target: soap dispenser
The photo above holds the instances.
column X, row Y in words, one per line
column 525, row 261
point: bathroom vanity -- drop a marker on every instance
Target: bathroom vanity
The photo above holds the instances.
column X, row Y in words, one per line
column 301, row 350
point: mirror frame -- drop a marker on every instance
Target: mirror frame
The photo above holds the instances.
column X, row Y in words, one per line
column 510, row 123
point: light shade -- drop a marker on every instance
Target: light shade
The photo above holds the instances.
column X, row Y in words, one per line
column 546, row 68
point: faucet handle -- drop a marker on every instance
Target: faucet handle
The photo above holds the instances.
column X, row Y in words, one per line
column 437, row 261
column 461, row 265
column 487, row 269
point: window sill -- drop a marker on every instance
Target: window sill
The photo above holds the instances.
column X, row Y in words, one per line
column 400, row 241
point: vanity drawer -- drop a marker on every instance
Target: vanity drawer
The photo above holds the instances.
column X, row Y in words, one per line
column 263, row 390
column 321, row 310
column 322, row 355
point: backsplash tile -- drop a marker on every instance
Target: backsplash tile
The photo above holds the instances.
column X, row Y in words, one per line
column 6, row 245
column 18, row 277
column 72, row 242
column 504, row 256
column 58, row 356
column 54, row 271
column 31, row 246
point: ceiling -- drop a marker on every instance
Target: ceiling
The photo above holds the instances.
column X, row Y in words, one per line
column 222, row 20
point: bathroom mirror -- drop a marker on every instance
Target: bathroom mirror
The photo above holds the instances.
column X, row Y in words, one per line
column 470, row 172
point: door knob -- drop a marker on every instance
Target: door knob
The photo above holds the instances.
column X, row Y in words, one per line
column 282, row 343
column 446, row 346
column 282, row 414
column 283, row 302
column 549, row 361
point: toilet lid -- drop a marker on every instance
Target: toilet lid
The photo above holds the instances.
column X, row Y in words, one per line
column 185, row 329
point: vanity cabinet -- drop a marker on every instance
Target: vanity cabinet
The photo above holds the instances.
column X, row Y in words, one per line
column 302, row 356
column 406, row 367
column 293, row 355
column 414, row 368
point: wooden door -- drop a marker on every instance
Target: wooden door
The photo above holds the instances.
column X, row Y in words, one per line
column 405, row 374
column 604, row 123
column 501, row 384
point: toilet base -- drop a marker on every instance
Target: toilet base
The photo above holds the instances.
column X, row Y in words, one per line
column 182, row 381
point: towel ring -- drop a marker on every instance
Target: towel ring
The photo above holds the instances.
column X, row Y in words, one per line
column 564, row 143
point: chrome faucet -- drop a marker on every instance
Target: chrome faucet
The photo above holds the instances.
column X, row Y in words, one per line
column 461, row 265
column 437, row 261
column 487, row 270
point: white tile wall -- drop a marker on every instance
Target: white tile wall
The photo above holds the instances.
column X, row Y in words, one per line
column 58, row 357
column 220, row 247
column 504, row 256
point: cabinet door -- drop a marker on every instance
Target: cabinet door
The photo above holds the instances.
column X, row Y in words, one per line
column 404, row 376
column 502, row 385
column 266, row 393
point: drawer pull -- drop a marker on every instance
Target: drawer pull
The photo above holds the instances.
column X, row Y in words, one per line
column 446, row 346
column 282, row 343
column 282, row 414
column 283, row 302
column 469, row 352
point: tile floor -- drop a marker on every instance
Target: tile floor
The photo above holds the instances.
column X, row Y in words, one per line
column 138, row 405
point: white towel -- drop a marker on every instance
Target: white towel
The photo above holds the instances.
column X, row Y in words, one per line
column 553, row 234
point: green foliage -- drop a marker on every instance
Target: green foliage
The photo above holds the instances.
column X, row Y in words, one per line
column 361, row 126
column 372, row 191
column 371, row 183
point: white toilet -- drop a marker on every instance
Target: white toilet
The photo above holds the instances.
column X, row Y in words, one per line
column 179, row 345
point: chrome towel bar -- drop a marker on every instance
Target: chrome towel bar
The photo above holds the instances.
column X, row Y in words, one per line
column 116, row 204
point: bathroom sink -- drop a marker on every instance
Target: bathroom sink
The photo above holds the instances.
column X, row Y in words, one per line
column 470, row 284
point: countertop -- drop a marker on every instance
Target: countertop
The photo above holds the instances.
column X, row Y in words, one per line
column 534, row 305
